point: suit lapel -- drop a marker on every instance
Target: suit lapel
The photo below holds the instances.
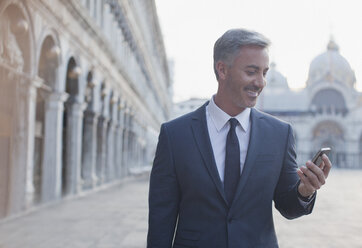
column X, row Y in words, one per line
column 201, row 135
column 256, row 137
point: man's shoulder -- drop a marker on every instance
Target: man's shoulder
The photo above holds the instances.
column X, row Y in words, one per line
column 270, row 119
column 183, row 120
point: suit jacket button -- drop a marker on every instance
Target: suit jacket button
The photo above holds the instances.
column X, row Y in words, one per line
column 230, row 220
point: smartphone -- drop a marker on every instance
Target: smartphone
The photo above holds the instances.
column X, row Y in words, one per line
column 317, row 159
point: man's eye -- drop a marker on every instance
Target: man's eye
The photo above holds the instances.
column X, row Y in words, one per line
column 250, row 73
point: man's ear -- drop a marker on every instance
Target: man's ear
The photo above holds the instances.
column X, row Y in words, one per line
column 222, row 69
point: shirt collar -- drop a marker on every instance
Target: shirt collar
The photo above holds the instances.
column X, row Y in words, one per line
column 220, row 118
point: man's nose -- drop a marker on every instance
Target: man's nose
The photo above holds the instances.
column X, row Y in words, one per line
column 261, row 80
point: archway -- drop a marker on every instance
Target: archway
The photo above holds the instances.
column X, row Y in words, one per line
column 330, row 134
column 72, row 89
column 101, row 136
column 118, row 142
column 329, row 101
column 110, row 139
column 89, row 134
column 47, row 70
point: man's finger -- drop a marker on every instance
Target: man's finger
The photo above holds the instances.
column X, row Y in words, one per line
column 321, row 166
column 308, row 186
column 327, row 165
column 318, row 172
column 311, row 177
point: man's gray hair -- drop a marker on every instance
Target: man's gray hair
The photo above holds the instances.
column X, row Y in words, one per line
column 229, row 44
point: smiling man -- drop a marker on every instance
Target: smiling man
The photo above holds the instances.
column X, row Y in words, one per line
column 218, row 169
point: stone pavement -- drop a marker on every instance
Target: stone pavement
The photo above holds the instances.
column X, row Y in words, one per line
column 336, row 221
column 117, row 217
column 112, row 218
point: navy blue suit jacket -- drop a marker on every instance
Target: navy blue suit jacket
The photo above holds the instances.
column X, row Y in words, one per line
column 187, row 204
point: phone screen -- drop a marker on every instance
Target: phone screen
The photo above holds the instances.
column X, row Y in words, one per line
column 317, row 159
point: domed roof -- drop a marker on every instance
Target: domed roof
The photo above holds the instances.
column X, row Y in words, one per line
column 331, row 66
column 275, row 80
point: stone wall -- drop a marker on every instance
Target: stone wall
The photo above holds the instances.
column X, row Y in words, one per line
column 84, row 87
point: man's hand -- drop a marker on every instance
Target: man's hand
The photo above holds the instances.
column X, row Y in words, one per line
column 312, row 177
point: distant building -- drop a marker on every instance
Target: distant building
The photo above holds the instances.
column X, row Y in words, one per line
column 84, row 87
column 187, row 106
column 327, row 112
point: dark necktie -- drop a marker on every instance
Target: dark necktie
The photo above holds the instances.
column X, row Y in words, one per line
column 232, row 162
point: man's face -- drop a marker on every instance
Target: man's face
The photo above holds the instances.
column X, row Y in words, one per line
column 244, row 79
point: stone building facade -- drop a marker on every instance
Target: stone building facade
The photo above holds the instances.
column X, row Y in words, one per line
column 84, row 87
column 326, row 113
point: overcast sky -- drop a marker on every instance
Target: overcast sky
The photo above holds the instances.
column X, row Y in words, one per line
column 299, row 31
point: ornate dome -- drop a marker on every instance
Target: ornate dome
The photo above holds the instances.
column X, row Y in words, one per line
column 331, row 66
column 275, row 80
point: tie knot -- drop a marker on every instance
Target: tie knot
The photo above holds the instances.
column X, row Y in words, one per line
column 233, row 123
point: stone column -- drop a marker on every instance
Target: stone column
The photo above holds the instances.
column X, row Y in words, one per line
column 136, row 143
column 52, row 169
column 117, row 152
column 73, row 147
column 24, row 94
column 89, row 149
column 30, row 190
column 120, row 153
column 131, row 142
column 138, row 149
column 142, row 146
column 110, row 152
column 125, row 151
column 101, row 149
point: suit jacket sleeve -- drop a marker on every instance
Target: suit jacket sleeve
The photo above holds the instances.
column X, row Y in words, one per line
column 163, row 195
column 286, row 197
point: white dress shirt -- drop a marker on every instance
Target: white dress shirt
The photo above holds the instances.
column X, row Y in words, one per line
column 218, row 126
